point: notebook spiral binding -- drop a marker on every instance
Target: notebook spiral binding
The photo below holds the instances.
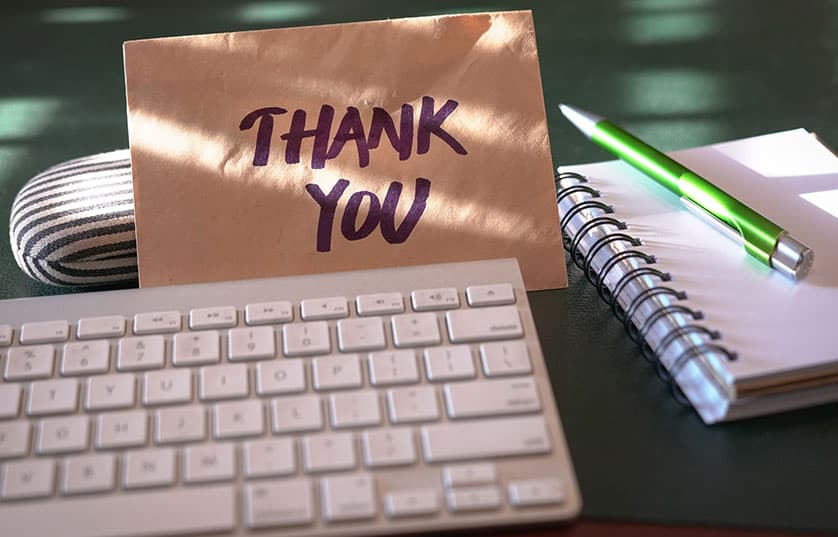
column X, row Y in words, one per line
column 607, row 236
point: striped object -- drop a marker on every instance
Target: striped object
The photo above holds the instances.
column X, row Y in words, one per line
column 73, row 224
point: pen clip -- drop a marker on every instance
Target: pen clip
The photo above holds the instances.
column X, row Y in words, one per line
column 712, row 221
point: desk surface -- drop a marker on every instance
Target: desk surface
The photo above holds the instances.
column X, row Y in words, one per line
column 678, row 73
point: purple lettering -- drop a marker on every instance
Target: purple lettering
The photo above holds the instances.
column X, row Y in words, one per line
column 381, row 215
column 382, row 122
column 294, row 136
column 351, row 128
column 328, row 204
column 389, row 231
column 431, row 123
column 263, row 135
column 350, row 216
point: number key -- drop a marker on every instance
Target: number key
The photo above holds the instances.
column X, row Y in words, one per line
column 141, row 353
column 86, row 357
column 305, row 339
column 29, row 362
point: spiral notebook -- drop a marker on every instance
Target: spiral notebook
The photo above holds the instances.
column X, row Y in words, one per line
column 732, row 337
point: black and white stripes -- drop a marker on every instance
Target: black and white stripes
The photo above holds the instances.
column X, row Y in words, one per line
column 73, row 224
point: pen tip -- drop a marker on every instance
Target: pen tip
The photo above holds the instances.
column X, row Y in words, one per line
column 582, row 120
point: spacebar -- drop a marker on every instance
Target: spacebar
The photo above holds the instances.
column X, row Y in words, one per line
column 485, row 438
column 168, row 512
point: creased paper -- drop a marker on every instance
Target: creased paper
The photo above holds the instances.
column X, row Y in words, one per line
column 341, row 147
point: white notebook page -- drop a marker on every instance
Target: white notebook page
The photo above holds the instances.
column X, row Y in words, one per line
column 780, row 330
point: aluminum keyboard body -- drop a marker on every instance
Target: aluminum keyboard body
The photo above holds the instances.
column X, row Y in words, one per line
column 389, row 401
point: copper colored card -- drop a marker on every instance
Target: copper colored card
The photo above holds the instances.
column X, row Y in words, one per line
column 341, row 147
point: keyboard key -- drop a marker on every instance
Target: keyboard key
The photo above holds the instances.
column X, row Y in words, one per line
column 269, row 313
column 139, row 353
column 473, row 499
column 410, row 405
column 306, row 339
column 505, row 358
column 491, row 398
column 101, row 327
column 435, row 299
column 337, row 372
column 207, row 318
column 315, row 309
column 180, row 424
column 27, row 479
column 279, row 503
column 196, row 348
column 354, row 409
column 24, row 363
column 239, row 419
column 153, row 467
column 328, row 452
column 6, row 333
column 449, row 363
column 365, row 334
column 227, row 381
column 269, row 458
column 161, row 322
column 502, row 322
column 540, row 491
column 413, row 502
column 86, row 358
column 294, row 414
column 14, row 439
column 85, row 474
column 192, row 510
column 251, row 343
column 379, row 304
column 277, row 377
column 490, row 295
column 167, row 387
column 388, row 447
column 415, row 329
column 349, row 497
column 110, row 392
column 389, row 368
column 63, row 435
column 213, row 462
column 10, row 395
column 53, row 397
column 469, row 474
column 44, row 332
column 121, row 429
column 484, row 439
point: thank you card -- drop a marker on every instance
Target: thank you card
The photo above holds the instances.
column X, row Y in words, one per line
column 340, row 147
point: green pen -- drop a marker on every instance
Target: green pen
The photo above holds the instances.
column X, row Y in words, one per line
column 762, row 238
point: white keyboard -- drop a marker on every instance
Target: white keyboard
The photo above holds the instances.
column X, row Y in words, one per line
column 389, row 401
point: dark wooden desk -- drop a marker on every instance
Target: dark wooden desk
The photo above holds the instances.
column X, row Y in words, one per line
column 677, row 72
